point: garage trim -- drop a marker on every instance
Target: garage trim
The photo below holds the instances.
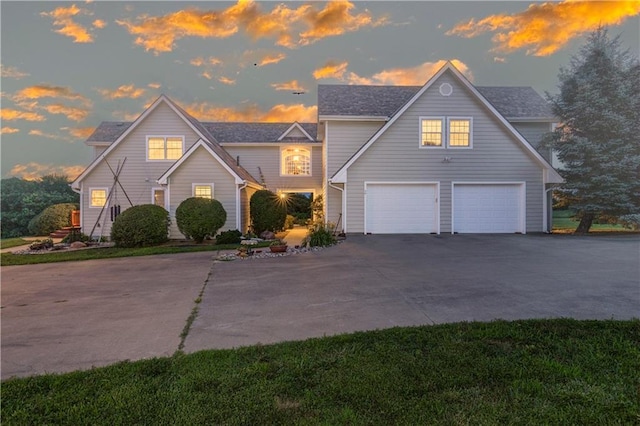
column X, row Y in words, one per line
column 523, row 200
column 430, row 183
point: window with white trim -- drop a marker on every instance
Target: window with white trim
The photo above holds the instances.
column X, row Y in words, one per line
column 164, row 147
column 97, row 197
column 456, row 134
column 295, row 161
column 203, row 190
column 159, row 197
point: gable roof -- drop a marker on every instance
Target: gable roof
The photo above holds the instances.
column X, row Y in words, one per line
column 107, row 130
column 551, row 176
column 384, row 101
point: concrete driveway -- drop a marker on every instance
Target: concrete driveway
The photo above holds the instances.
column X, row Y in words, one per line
column 67, row 316
column 60, row 317
column 371, row 282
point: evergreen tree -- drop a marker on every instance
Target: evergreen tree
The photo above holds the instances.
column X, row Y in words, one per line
column 598, row 139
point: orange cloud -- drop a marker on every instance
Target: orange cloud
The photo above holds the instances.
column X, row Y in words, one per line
column 206, row 74
column 289, row 27
column 271, row 58
column 331, row 69
column 72, row 113
column 225, row 80
column 47, row 91
column 8, row 130
column 79, row 132
column 126, row 91
column 545, row 28
column 292, row 85
column 154, row 85
column 63, row 18
column 252, row 113
column 12, row 72
column 200, row 61
column 413, row 76
column 99, row 23
column 336, row 19
column 125, row 116
column 34, row 171
column 8, row 114
column 36, row 132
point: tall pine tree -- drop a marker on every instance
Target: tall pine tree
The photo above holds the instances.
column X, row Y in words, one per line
column 598, row 139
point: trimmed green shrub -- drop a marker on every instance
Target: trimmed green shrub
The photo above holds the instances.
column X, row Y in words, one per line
column 321, row 235
column 289, row 221
column 229, row 237
column 198, row 218
column 140, row 226
column 51, row 219
column 268, row 212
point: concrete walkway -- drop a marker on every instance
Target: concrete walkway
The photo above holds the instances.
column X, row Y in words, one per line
column 296, row 235
column 26, row 246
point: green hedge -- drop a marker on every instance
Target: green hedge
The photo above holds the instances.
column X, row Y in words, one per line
column 140, row 226
column 52, row 218
column 268, row 212
column 198, row 218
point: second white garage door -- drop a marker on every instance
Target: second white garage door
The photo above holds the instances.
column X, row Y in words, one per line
column 401, row 208
column 488, row 208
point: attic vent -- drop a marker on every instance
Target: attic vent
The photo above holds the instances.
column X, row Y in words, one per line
column 446, row 89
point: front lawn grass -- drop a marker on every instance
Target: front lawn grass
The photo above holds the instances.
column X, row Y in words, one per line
column 9, row 259
column 12, row 242
column 524, row 372
column 563, row 221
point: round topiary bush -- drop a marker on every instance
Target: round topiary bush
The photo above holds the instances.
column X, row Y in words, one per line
column 268, row 212
column 139, row 226
column 52, row 218
column 198, row 218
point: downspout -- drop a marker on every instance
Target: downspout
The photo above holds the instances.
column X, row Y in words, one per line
column 344, row 223
column 239, row 204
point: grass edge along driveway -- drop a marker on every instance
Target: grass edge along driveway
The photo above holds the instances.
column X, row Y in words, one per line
column 558, row 371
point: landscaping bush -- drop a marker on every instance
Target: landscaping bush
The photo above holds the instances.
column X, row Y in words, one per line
column 229, row 237
column 268, row 212
column 289, row 221
column 140, row 226
column 51, row 219
column 321, row 235
column 198, row 218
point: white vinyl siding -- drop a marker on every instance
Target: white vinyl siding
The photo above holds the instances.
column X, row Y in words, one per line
column 395, row 156
column 533, row 133
column 138, row 176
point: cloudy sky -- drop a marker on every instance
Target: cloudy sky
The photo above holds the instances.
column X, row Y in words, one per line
column 68, row 66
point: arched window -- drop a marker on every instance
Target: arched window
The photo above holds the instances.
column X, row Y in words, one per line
column 296, row 162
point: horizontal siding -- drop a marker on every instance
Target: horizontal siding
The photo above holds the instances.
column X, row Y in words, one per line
column 344, row 138
column 201, row 167
column 496, row 157
column 267, row 159
column 138, row 175
column 334, row 205
column 533, row 133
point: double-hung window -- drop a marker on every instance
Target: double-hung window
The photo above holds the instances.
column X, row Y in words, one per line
column 97, row 197
column 446, row 132
column 164, row 147
column 203, row 190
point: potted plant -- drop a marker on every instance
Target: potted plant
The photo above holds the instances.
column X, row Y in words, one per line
column 278, row 246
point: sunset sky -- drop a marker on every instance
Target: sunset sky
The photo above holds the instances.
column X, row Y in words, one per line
column 68, row 66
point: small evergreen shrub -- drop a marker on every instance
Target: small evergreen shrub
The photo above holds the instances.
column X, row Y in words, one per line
column 289, row 221
column 51, row 219
column 229, row 237
column 140, row 226
column 321, row 235
column 198, row 218
column 268, row 212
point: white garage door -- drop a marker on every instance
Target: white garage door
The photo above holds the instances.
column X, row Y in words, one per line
column 401, row 208
column 488, row 208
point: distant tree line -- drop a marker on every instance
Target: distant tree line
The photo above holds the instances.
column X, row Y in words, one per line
column 21, row 200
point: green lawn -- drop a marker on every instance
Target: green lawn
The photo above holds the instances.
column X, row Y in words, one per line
column 563, row 221
column 524, row 372
column 12, row 242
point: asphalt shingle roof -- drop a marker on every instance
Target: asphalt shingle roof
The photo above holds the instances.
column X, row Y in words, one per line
column 109, row 131
column 384, row 101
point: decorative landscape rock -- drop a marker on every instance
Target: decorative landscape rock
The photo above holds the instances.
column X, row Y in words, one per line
column 77, row 244
column 268, row 235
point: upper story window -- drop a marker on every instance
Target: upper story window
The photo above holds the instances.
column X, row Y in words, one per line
column 456, row 134
column 165, row 147
column 203, row 190
column 295, row 161
column 98, row 197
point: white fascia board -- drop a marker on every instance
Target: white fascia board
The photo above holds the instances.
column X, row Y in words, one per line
column 339, row 177
column 353, row 118
column 96, row 143
column 533, row 119
column 272, row 144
